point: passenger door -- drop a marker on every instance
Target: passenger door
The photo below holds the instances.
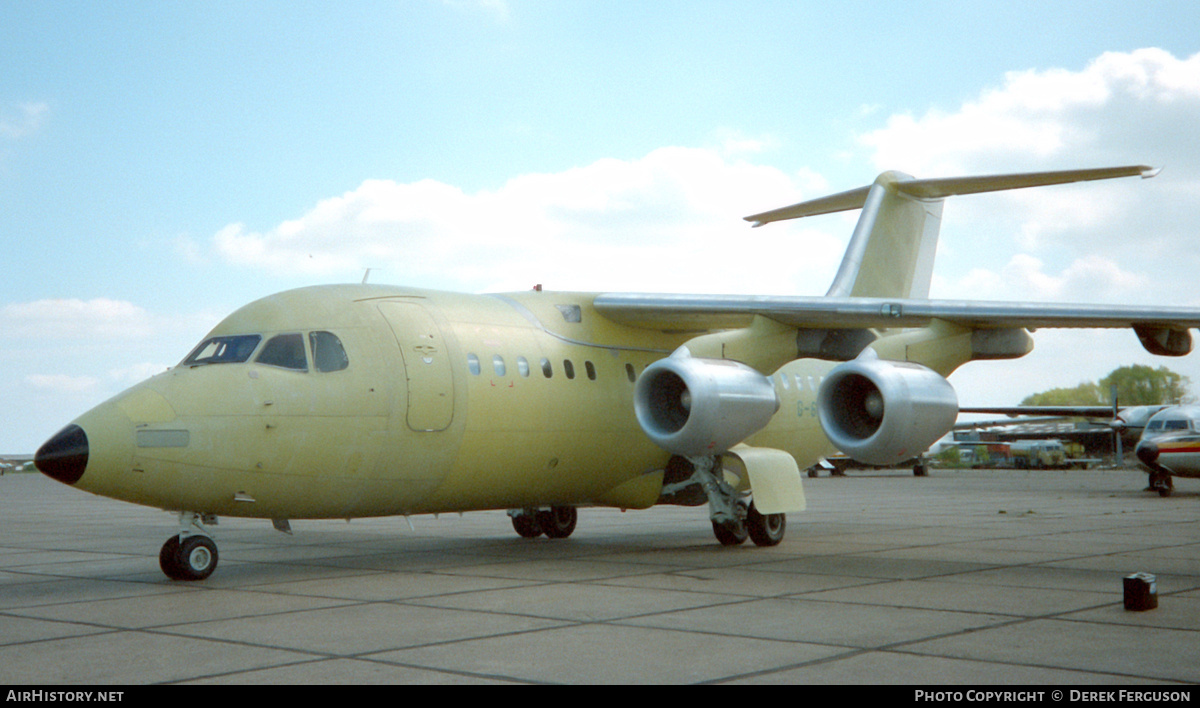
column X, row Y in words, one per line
column 427, row 366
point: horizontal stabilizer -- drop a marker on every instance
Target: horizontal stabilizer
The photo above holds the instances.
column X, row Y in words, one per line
column 947, row 187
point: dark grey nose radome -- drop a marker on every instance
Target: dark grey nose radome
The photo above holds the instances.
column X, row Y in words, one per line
column 1147, row 452
column 64, row 456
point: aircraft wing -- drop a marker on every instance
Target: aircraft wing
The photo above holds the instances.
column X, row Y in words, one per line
column 692, row 312
column 1055, row 411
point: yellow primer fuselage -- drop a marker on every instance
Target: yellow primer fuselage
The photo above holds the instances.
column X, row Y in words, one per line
column 445, row 405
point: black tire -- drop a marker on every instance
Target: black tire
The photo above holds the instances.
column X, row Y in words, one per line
column 527, row 526
column 558, row 522
column 168, row 558
column 730, row 533
column 197, row 558
column 765, row 529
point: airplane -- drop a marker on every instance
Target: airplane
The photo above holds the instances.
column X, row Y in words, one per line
column 1129, row 420
column 1170, row 447
column 343, row 401
column 1125, row 423
column 11, row 463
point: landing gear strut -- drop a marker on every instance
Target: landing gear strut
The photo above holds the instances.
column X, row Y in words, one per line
column 1161, row 482
column 733, row 520
column 191, row 554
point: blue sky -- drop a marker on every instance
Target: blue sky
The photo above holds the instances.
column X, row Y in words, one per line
column 163, row 163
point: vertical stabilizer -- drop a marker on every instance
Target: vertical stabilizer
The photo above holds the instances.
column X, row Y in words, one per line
column 892, row 249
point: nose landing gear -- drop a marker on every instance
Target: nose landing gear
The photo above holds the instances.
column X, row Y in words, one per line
column 191, row 554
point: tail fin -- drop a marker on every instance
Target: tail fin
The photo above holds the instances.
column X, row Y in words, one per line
column 892, row 249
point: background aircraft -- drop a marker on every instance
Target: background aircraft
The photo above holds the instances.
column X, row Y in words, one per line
column 1170, row 446
column 1125, row 425
column 8, row 463
column 368, row 400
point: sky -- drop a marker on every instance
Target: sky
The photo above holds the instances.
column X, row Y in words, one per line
column 163, row 163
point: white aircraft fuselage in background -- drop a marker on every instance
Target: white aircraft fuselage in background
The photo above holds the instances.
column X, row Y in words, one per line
column 1170, row 446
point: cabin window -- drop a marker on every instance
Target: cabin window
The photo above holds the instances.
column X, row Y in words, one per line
column 629, row 372
column 223, row 350
column 285, row 351
column 328, row 352
column 498, row 365
column 473, row 364
column 523, row 366
column 783, row 379
column 547, row 369
column 568, row 368
column 591, row 370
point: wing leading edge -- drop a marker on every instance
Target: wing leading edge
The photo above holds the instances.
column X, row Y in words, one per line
column 674, row 312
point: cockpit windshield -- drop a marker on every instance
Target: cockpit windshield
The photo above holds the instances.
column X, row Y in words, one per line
column 233, row 349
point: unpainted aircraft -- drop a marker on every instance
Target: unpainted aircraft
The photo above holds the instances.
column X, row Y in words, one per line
column 1170, row 447
column 367, row 400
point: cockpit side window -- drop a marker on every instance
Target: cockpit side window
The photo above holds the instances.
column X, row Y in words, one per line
column 328, row 352
column 233, row 349
column 286, row 351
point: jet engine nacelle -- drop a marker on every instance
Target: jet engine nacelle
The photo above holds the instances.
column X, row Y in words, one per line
column 884, row 412
column 691, row 406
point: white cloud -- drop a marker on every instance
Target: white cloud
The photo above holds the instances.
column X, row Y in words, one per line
column 27, row 118
column 668, row 221
column 97, row 319
column 61, row 383
column 1114, row 106
column 1139, row 107
column 1091, row 277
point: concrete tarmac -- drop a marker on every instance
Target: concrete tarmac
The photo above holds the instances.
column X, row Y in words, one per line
column 964, row 577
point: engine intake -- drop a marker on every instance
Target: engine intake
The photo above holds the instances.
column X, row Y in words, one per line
column 691, row 406
column 884, row 412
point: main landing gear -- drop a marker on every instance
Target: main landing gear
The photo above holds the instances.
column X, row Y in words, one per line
column 191, row 554
column 733, row 520
column 1162, row 483
column 555, row 521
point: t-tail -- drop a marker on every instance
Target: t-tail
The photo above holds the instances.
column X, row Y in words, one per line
column 892, row 250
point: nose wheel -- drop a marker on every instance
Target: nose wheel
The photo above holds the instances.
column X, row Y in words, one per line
column 190, row 554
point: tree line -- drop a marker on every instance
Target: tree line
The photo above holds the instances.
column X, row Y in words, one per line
column 1136, row 385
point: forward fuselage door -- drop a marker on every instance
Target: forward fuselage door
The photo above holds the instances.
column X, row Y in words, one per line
column 427, row 365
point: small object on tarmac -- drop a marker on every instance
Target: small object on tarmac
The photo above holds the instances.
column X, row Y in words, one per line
column 1141, row 592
